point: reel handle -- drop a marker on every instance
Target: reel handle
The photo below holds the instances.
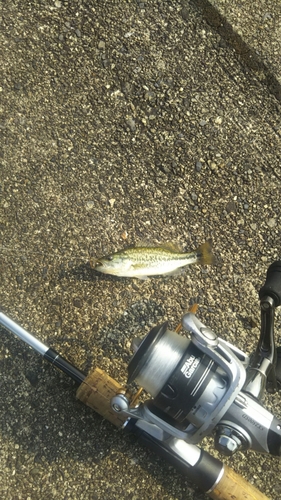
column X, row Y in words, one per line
column 272, row 285
column 97, row 390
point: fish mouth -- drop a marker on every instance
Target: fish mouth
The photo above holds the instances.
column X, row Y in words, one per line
column 98, row 263
column 94, row 263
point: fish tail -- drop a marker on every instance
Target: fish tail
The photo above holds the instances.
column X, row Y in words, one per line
column 205, row 254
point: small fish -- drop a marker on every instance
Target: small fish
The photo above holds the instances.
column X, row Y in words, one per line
column 141, row 262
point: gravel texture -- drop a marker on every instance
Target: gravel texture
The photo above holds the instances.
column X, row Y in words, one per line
column 122, row 122
column 254, row 30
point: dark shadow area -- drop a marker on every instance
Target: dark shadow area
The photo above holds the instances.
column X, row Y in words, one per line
column 39, row 411
column 231, row 37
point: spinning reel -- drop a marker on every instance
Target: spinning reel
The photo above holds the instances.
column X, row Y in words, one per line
column 205, row 385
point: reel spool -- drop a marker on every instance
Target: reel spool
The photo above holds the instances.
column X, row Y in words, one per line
column 193, row 382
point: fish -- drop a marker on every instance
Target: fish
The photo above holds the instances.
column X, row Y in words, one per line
column 142, row 262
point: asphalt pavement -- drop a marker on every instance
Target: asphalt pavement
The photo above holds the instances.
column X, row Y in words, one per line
column 124, row 123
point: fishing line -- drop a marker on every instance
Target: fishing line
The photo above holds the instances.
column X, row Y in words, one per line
column 164, row 356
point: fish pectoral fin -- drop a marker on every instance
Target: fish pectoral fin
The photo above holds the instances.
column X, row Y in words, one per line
column 143, row 278
column 127, row 265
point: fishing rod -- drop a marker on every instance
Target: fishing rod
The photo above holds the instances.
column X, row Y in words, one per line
column 199, row 386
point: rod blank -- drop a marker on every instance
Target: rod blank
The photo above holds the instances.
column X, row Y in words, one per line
column 23, row 334
column 47, row 352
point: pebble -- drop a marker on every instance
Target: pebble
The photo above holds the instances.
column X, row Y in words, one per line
column 77, row 303
column 271, row 222
column 198, row 166
column 19, row 279
column 149, row 95
column 185, row 13
column 202, row 123
column 35, row 471
column 124, row 235
column 90, row 205
column 131, row 124
column 231, row 207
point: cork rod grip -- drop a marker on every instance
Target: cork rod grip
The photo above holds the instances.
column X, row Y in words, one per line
column 97, row 390
column 232, row 486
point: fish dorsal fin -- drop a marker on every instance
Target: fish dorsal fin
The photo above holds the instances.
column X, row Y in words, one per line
column 170, row 245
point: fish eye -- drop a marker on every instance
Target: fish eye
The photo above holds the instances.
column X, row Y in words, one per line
column 109, row 257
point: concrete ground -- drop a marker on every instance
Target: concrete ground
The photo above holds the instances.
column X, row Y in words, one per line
column 254, row 30
column 125, row 122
